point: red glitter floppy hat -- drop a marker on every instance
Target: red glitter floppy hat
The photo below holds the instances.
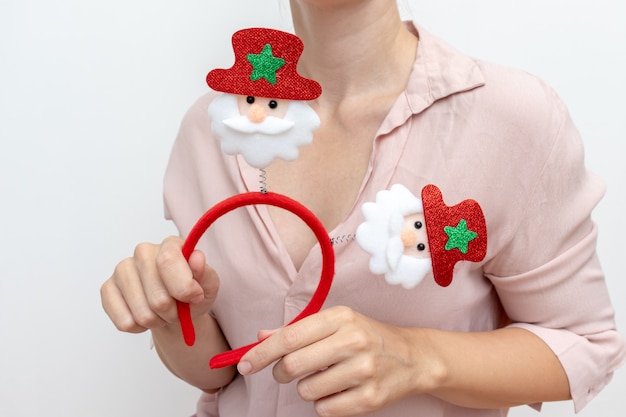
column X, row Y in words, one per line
column 265, row 66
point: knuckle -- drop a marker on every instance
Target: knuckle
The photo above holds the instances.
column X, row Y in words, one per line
column 212, row 284
column 182, row 293
column 290, row 366
column 123, row 268
column 160, row 301
column 290, row 338
column 166, row 258
column 345, row 314
column 259, row 356
column 127, row 324
column 305, row 391
column 144, row 250
column 144, row 317
column 359, row 341
column 122, row 321
column 367, row 368
column 105, row 290
column 372, row 398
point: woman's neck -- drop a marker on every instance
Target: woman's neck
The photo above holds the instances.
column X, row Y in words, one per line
column 354, row 48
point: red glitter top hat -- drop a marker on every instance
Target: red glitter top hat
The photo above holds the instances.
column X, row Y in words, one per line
column 265, row 66
column 457, row 233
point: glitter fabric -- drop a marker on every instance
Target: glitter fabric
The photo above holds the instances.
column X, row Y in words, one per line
column 457, row 233
column 232, row 357
column 265, row 66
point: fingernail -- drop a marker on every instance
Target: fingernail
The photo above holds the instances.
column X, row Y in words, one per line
column 244, row 368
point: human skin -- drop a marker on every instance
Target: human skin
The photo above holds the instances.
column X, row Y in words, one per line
column 347, row 45
column 141, row 295
column 361, row 54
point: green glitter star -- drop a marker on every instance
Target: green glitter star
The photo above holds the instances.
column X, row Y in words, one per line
column 265, row 65
column 459, row 237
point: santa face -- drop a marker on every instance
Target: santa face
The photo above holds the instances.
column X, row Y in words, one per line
column 394, row 234
column 262, row 129
column 414, row 237
column 257, row 109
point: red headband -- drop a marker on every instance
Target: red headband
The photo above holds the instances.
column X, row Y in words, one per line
column 232, row 357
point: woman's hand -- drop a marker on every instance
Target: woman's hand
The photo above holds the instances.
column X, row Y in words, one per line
column 142, row 295
column 142, row 292
column 349, row 364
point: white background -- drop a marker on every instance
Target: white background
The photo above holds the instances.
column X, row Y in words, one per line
column 91, row 95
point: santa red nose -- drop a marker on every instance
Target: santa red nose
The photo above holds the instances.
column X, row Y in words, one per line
column 256, row 113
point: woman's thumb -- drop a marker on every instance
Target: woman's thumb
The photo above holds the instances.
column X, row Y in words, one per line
column 205, row 276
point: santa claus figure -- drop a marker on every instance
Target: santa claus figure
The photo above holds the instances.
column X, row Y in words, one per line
column 263, row 114
column 408, row 237
column 394, row 234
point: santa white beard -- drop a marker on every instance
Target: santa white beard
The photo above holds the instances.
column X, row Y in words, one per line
column 409, row 271
column 261, row 143
column 380, row 236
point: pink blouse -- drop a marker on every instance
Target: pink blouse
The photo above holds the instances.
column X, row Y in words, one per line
column 474, row 129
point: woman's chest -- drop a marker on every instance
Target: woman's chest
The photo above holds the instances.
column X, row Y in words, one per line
column 326, row 178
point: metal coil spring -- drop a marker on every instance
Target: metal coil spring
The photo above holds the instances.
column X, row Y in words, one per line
column 333, row 240
column 263, row 181
column 342, row 239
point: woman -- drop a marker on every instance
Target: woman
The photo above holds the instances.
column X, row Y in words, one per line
column 530, row 323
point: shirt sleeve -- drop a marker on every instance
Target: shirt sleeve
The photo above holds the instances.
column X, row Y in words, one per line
column 548, row 276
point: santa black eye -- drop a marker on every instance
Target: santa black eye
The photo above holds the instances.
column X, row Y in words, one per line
column 272, row 104
column 250, row 100
column 421, row 247
column 418, row 225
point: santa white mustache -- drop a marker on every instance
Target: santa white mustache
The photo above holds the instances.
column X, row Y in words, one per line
column 261, row 142
column 270, row 126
